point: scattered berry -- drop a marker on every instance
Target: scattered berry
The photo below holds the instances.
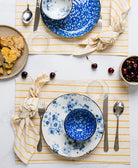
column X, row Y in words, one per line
column 52, row 75
column 110, row 70
column 24, row 74
column 94, row 66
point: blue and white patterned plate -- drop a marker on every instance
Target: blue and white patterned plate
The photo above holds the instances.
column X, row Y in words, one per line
column 83, row 18
column 53, row 125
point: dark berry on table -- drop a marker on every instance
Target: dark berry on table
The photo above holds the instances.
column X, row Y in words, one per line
column 94, row 66
column 52, row 75
column 110, row 70
column 24, row 74
column 124, row 71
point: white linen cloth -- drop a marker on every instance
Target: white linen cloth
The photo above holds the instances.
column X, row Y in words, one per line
column 23, row 125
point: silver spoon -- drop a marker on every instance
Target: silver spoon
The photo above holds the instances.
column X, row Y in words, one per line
column 27, row 15
column 118, row 110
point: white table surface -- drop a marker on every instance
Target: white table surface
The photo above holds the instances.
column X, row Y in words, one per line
column 67, row 67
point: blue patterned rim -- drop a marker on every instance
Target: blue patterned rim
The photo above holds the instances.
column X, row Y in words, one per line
column 83, row 18
column 53, row 125
column 88, row 121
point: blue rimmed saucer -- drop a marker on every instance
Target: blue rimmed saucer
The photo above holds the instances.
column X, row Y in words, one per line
column 82, row 19
column 53, row 125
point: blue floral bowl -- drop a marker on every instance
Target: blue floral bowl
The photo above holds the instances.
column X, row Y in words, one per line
column 80, row 124
column 56, row 9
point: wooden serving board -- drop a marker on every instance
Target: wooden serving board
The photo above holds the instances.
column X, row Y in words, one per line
column 21, row 62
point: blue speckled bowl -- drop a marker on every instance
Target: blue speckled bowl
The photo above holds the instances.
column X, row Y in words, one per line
column 56, row 9
column 82, row 18
column 80, row 124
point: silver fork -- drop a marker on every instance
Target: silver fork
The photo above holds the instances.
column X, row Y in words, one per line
column 41, row 111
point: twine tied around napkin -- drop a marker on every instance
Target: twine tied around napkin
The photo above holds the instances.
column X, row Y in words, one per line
column 105, row 39
column 27, row 136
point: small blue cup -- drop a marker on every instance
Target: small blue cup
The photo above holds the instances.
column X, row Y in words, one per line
column 80, row 124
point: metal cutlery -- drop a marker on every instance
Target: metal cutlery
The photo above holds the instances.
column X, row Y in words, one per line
column 41, row 111
column 105, row 117
column 118, row 110
column 27, row 15
column 37, row 15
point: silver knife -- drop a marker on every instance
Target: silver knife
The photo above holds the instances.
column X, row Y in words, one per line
column 105, row 117
column 37, row 15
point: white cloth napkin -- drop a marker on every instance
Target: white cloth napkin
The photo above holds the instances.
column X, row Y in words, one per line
column 25, row 147
column 119, row 11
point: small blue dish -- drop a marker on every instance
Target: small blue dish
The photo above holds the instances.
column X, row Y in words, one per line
column 80, row 124
column 56, row 9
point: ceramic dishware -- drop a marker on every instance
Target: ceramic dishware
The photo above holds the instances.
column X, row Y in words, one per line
column 129, row 70
column 56, row 9
column 80, row 124
column 118, row 110
column 22, row 60
column 53, row 125
column 27, row 15
column 37, row 16
column 83, row 18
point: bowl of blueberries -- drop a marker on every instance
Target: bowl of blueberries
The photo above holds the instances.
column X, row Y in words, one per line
column 129, row 70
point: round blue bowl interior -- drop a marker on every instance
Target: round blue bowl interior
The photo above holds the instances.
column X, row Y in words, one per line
column 80, row 124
